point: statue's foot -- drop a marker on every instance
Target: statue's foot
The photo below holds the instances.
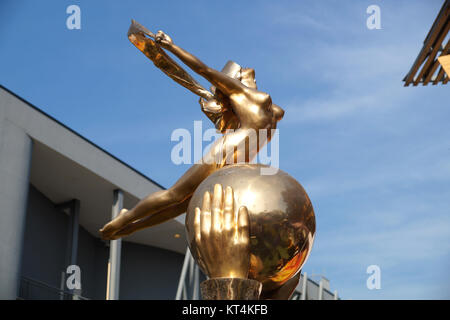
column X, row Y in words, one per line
column 125, row 231
column 111, row 228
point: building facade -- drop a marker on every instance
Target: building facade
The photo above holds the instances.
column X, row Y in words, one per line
column 57, row 189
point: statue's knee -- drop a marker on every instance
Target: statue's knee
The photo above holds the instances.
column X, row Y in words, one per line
column 175, row 196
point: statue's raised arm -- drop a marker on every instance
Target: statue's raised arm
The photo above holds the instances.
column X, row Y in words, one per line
column 212, row 104
column 137, row 34
column 235, row 104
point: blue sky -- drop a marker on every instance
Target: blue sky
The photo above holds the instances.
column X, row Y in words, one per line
column 373, row 155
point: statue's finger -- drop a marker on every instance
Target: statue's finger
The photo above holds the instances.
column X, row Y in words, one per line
column 197, row 233
column 205, row 217
column 243, row 226
column 228, row 210
column 217, row 208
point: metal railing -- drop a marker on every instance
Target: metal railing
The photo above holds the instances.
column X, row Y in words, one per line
column 31, row 289
column 189, row 284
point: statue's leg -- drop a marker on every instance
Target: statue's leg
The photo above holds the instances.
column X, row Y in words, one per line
column 161, row 200
column 154, row 219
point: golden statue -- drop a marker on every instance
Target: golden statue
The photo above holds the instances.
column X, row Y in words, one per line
column 253, row 237
column 236, row 104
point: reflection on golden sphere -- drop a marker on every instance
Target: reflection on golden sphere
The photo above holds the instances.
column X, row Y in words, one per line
column 282, row 222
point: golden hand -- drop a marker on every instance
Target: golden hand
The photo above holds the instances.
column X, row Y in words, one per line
column 106, row 234
column 163, row 39
column 222, row 235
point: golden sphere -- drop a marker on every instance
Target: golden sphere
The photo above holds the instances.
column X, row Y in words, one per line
column 282, row 222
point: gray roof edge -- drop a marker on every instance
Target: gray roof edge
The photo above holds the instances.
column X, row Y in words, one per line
column 79, row 135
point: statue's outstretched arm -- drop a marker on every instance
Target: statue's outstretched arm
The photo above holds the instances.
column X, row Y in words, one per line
column 137, row 35
column 218, row 79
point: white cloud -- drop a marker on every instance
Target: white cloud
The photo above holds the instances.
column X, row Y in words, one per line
column 358, row 79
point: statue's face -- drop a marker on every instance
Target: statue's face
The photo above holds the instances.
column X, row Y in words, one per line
column 248, row 77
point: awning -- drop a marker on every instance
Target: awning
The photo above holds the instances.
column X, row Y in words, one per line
column 431, row 65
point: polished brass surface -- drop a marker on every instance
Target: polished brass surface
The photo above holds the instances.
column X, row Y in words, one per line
column 221, row 235
column 282, row 221
column 230, row 289
column 215, row 105
column 236, row 104
column 137, row 35
column 240, row 224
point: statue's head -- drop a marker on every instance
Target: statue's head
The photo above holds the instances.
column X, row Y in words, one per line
column 248, row 77
column 245, row 75
column 227, row 119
